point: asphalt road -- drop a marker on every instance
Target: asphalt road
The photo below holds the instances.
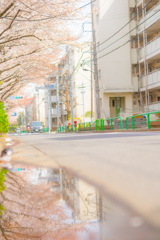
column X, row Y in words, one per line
column 125, row 166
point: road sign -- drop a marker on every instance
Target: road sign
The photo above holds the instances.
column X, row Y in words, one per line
column 50, row 86
column 14, row 114
column 15, row 97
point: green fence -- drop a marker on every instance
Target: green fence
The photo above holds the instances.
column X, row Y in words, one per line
column 45, row 129
column 146, row 117
column 110, row 123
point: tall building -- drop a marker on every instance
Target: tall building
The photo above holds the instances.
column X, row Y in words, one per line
column 147, row 44
column 128, row 55
column 74, row 75
column 71, row 78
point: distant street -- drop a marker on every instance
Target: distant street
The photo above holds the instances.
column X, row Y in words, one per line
column 125, row 166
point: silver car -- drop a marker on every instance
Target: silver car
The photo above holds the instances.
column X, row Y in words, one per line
column 36, row 127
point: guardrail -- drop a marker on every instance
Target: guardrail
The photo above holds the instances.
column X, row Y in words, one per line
column 97, row 125
column 110, row 123
column 148, row 121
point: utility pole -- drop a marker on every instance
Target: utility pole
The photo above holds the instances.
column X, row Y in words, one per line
column 145, row 60
column 38, row 107
column 62, row 82
column 83, row 92
column 91, row 88
column 34, row 109
column 37, row 90
column 26, row 117
column 57, row 90
column 70, row 84
column 95, row 66
column 50, row 111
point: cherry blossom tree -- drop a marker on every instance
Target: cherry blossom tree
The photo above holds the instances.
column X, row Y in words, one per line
column 31, row 39
column 33, row 211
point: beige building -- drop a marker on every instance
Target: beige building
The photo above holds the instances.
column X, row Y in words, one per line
column 127, row 36
column 147, row 44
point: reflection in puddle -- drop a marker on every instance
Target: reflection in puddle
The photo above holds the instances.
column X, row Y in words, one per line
column 46, row 204
column 51, row 204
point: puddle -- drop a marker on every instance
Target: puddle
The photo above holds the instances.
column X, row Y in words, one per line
column 52, row 204
column 49, row 204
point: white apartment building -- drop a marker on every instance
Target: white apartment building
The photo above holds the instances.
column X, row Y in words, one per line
column 81, row 81
column 128, row 47
column 76, row 65
column 147, row 44
column 52, row 101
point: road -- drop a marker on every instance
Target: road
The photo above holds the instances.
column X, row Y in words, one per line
column 125, row 166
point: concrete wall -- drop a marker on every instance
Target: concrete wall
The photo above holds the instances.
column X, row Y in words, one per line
column 115, row 67
column 82, row 77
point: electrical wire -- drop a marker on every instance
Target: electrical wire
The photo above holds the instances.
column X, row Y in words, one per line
column 124, row 25
column 125, row 42
column 126, row 34
column 44, row 19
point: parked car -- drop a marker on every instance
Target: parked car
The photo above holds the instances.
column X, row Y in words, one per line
column 18, row 130
column 36, row 127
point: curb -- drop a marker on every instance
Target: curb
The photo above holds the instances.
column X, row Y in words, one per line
column 113, row 131
column 2, row 143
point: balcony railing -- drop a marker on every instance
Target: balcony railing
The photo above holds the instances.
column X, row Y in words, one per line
column 154, row 106
column 138, row 1
column 53, row 99
column 152, row 78
column 151, row 17
column 61, row 112
column 151, row 48
column 54, row 111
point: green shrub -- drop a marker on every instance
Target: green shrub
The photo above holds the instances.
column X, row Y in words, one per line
column 4, row 124
column 3, row 173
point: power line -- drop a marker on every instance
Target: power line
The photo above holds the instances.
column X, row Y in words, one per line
column 124, row 25
column 44, row 19
column 123, row 37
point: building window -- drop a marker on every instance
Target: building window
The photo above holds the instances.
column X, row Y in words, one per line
column 113, row 103
column 158, row 98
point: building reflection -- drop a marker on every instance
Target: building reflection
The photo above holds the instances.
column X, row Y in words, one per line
column 81, row 197
column 52, row 204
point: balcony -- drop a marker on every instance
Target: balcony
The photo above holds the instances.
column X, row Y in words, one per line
column 135, row 84
column 133, row 26
column 153, row 107
column 132, row 3
column 61, row 112
column 152, row 50
column 53, row 99
column 139, row 2
column 54, row 111
column 65, row 69
column 151, row 17
column 153, row 80
column 134, row 56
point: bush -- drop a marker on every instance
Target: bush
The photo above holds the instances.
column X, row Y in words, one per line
column 4, row 124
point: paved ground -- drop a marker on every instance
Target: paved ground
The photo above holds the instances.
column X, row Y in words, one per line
column 125, row 166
